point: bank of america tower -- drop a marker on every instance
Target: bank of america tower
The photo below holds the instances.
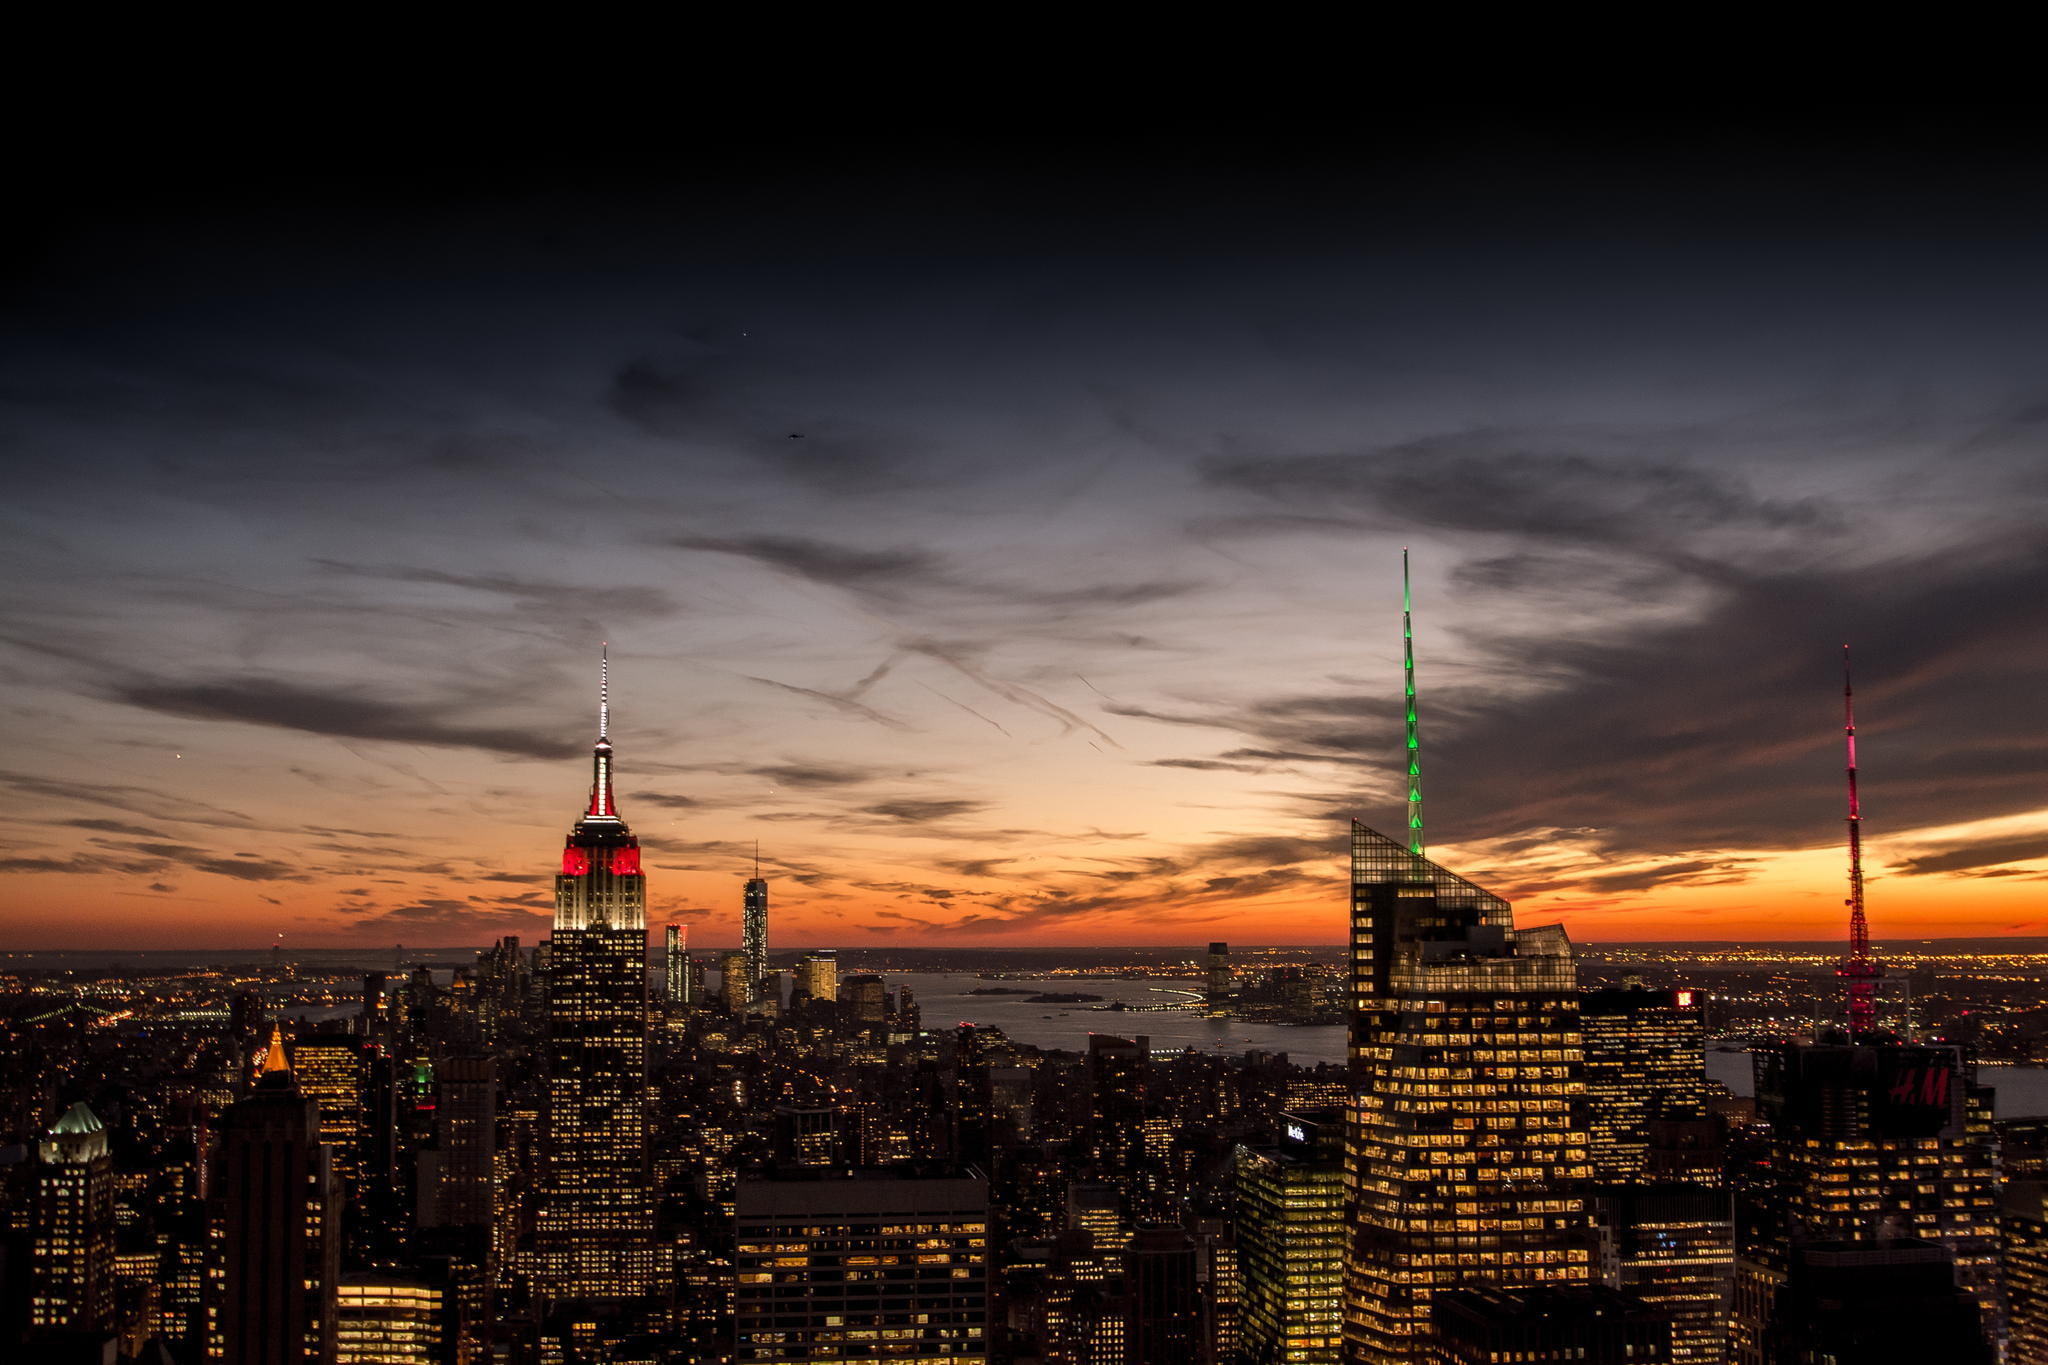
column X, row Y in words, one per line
column 593, row 1233
column 1464, row 1153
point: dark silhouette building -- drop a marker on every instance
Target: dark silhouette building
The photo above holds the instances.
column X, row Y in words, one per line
column 1584, row 1325
column 1884, row 1302
column 274, row 1229
column 1870, row 1142
column 1119, row 1078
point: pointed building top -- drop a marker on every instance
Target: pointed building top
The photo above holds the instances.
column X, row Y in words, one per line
column 1414, row 749
column 276, row 1061
column 77, row 1121
column 602, row 806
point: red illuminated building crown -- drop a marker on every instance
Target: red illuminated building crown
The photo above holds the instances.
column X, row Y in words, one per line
column 600, row 840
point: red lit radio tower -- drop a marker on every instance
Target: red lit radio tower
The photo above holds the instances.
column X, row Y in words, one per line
column 1860, row 969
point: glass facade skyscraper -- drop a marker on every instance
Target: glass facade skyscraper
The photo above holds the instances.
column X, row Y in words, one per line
column 1463, row 1153
column 754, row 928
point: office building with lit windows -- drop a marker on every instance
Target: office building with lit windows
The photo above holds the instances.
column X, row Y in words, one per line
column 1870, row 1142
column 817, row 974
column 1645, row 1064
column 868, row 1265
column 2023, row 1256
column 754, row 925
column 333, row 1072
column 594, row 1218
column 72, row 1257
column 675, row 966
column 1291, row 1239
column 737, row 981
column 1217, row 979
column 390, row 1320
column 1672, row 1247
column 1464, row 1159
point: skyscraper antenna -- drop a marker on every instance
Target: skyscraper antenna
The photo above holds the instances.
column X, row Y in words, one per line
column 604, row 690
column 757, row 860
column 1414, row 736
column 1859, row 969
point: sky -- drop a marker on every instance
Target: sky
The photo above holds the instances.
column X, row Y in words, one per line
column 1003, row 530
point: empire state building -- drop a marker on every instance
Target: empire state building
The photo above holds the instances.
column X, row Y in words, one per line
column 593, row 1234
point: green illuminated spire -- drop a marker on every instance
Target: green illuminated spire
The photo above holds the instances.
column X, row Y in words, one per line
column 1414, row 739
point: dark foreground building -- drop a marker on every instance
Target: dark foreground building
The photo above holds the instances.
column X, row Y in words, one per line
column 879, row 1264
column 275, row 1229
column 1584, row 1325
column 1875, row 1303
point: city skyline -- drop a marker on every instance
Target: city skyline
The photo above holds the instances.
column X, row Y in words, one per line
column 1019, row 578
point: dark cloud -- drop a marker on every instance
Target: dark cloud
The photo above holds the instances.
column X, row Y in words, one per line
column 1519, row 484
column 115, row 827
column 1688, row 872
column 1271, row 850
column 838, row 566
column 334, row 712
column 1987, row 853
column 579, row 602
column 1721, row 730
column 665, row 799
column 1206, row 765
column 931, row 895
column 145, row 801
column 974, row 867
column 474, row 922
column 891, row 575
column 246, row 867
column 915, row 811
column 814, row 774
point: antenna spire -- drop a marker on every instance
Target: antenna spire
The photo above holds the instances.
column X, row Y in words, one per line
column 1859, row 969
column 602, row 806
column 1414, row 750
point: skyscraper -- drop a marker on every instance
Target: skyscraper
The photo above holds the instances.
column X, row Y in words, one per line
column 595, row 1214
column 1290, row 1242
column 72, row 1260
column 1645, row 1064
column 1870, row 1142
column 1119, row 1079
column 1466, row 1063
column 457, row 1176
column 2023, row 1256
column 384, row 1319
column 1217, row 983
column 275, row 1229
column 737, row 980
column 675, row 965
column 818, row 974
column 332, row 1072
column 754, row 921
column 899, row 1259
